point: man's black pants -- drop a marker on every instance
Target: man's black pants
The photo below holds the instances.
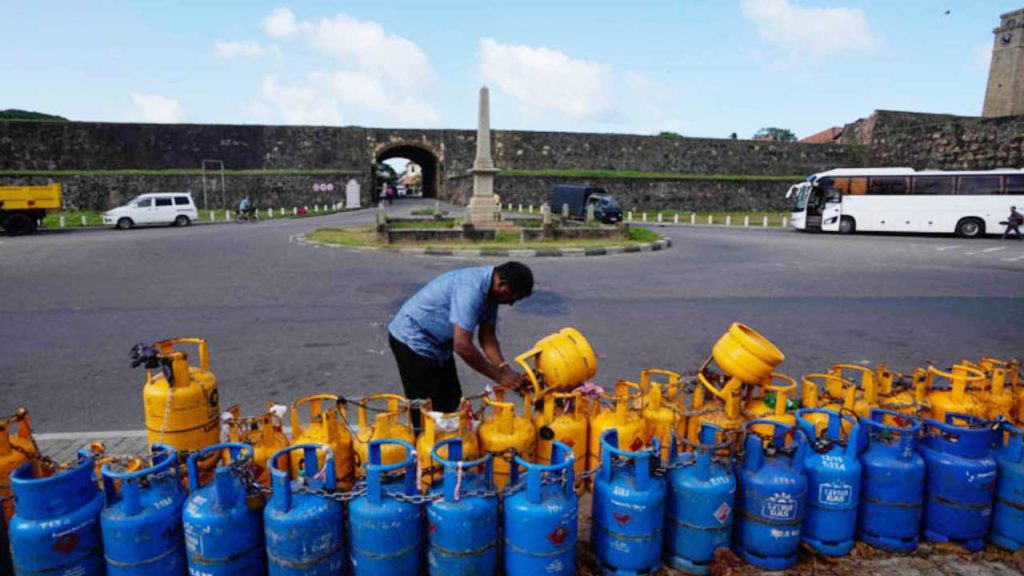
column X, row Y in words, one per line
column 423, row 377
column 1015, row 228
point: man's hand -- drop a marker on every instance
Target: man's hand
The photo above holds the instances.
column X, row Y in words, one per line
column 510, row 378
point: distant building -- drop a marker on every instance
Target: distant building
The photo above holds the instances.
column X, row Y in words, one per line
column 1005, row 93
column 827, row 136
column 412, row 177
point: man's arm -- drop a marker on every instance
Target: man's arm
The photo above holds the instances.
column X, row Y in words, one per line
column 489, row 343
column 463, row 345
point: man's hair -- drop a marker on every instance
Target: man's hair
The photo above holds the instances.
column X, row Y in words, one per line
column 517, row 276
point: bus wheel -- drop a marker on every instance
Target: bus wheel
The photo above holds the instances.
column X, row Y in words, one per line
column 847, row 225
column 970, row 228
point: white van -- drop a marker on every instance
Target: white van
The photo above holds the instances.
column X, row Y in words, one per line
column 163, row 208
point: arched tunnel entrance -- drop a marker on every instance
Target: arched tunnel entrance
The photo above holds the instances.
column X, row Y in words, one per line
column 427, row 182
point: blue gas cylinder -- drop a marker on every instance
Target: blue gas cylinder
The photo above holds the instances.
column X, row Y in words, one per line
column 304, row 532
column 700, row 500
column 141, row 522
column 386, row 534
column 540, row 522
column 463, row 523
column 833, row 480
column 223, row 524
column 772, row 489
column 628, row 509
column 1008, row 516
column 892, row 482
column 56, row 524
column 961, row 485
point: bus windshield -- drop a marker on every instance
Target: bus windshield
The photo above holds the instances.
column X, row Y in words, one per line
column 800, row 197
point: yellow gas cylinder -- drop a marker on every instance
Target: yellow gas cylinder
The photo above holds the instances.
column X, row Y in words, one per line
column 625, row 416
column 181, row 402
column 661, row 416
column 563, row 418
column 999, row 395
column 323, row 425
column 723, row 409
column 902, row 393
column 120, row 463
column 744, row 354
column 438, row 426
column 502, row 430
column 391, row 420
column 16, row 447
column 829, row 392
column 865, row 396
column 954, row 391
column 561, row 361
column 773, row 400
column 265, row 433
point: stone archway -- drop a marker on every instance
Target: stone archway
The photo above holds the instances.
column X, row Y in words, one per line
column 428, row 160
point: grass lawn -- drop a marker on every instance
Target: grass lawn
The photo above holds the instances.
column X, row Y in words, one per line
column 73, row 218
column 367, row 236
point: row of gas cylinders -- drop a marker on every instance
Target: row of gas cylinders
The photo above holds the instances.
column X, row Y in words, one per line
column 146, row 522
column 959, row 480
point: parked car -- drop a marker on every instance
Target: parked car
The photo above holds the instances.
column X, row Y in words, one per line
column 606, row 207
column 161, row 208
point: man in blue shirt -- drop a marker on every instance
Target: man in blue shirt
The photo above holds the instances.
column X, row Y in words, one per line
column 440, row 319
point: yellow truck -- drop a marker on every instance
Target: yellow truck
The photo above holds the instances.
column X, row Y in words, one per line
column 22, row 208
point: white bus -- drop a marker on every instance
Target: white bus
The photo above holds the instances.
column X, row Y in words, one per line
column 968, row 203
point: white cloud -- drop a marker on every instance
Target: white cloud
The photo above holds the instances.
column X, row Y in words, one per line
column 232, row 50
column 818, row 32
column 377, row 77
column 545, row 81
column 280, row 23
column 365, row 46
column 325, row 94
column 156, row 108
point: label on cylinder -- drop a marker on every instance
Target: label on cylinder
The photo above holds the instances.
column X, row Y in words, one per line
column 835, row 493
column 722, row 514
column 779, row 506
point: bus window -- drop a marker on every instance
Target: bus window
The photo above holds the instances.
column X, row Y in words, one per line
column 840, row 184
column 887, row 185
column 979, row 185
column 858, row 186
column 1015, row 184
column 800, row 202
column 934, row 185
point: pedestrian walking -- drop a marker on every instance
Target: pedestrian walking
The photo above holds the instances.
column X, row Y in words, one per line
column 1013, row 223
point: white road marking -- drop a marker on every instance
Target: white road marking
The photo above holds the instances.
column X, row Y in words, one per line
column 1014, row 259
column 944, row 248
column 993, row 249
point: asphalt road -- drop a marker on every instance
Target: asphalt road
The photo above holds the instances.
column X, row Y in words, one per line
column 285, row 320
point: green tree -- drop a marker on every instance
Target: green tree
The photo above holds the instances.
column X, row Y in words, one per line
column 385, row 173
column 775, row 134
column 13, row 114
column 668, row 134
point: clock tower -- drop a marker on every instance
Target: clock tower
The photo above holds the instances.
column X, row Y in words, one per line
column 1005, row 93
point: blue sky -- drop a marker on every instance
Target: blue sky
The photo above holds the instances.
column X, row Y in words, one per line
column 697, row 67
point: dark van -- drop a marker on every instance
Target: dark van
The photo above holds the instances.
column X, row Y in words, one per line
column 606, row 208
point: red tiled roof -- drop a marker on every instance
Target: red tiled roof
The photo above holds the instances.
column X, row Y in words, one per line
column 824, row 137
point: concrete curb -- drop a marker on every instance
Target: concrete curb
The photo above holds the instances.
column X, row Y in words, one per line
column 663, row 244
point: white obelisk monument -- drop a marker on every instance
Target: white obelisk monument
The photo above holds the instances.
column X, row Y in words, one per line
column 483, row 209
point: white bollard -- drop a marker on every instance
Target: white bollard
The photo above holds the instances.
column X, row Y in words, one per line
column 693, row 218
column 659, row 217
column 295, row 211
column 213, row 215
column 728, row 220
column 531, row 208
column 764, row 222
column 270, row 213
column 520, row 208
column 282, row 212
column 644, row 217
column 711, row 219
column 676, row 219
column 61, row 221
column 785, row 221
column 746, row 221
column 629, row 216
column 84, row 221
column 227, row 215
